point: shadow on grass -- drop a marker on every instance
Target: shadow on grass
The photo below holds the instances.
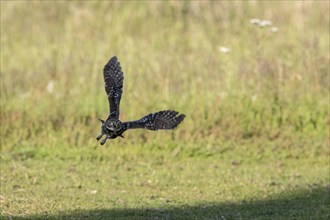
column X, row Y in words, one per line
column 303, row 204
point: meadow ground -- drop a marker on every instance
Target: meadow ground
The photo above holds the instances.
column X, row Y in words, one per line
column 254, row 144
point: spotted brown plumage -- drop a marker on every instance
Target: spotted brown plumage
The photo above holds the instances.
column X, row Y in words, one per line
column 112, row 127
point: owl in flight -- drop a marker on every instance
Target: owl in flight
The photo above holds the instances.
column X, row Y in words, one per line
column 113, row 127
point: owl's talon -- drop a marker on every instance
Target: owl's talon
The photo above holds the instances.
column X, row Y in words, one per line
column 103, row 141
column 99, row 137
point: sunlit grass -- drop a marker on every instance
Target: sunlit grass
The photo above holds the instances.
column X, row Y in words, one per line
column 256, row 100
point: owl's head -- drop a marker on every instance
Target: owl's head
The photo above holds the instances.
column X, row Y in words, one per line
column 111, row 126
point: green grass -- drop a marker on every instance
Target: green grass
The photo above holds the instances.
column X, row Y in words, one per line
column 254, row 144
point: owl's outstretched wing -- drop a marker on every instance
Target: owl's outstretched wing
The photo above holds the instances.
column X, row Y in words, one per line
column 113, row 78
column 167, row 119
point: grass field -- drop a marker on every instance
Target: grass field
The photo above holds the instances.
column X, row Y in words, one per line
column 254, row 143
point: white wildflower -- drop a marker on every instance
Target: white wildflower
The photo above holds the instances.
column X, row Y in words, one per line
column 265, row 23
column 93, row 191
column 224, row 49
column 274, row 29
column 261, row 23
column 255, row 21
column 50, row 87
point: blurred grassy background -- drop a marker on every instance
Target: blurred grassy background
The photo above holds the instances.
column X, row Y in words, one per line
column 265, row 100
column 271, row 84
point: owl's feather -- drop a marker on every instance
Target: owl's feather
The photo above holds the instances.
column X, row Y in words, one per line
column 113, row 78
column 166, row 119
